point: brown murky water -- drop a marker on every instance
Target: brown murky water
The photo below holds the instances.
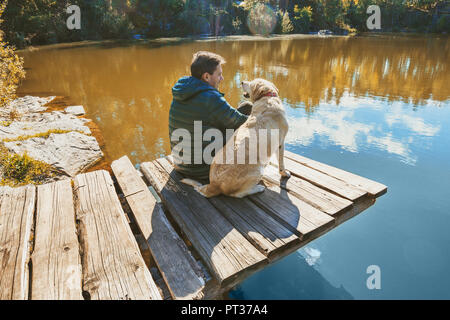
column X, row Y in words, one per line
column 126, row 88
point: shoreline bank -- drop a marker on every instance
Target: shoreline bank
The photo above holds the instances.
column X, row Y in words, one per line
column 48, row 134
column 178, row 40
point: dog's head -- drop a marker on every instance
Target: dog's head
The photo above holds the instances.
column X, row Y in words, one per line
column 258, row 88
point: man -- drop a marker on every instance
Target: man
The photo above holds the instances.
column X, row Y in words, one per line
column 196, row 98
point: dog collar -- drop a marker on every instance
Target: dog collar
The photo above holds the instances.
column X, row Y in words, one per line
column 270, row 94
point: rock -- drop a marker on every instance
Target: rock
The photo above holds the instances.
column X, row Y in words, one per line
column 66, row 144
column 69, row 153
column 25, row 105
column 324, row 32
column 75, row 110
column 36, row 123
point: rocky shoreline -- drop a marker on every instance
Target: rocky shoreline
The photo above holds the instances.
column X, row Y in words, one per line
column 60, row 138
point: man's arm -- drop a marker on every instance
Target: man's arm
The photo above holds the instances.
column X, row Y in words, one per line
column 245, row 107
column 223, row 116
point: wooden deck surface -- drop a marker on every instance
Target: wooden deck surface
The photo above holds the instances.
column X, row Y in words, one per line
column 72, row 239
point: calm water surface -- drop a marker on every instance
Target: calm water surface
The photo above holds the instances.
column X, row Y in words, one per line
column 378, row 106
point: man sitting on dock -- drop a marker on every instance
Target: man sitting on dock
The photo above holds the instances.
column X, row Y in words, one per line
column 196, row 98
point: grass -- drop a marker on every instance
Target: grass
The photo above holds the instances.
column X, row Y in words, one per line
column 14, row 115
column 18, row 170
column 21, row 170
column 39, row 135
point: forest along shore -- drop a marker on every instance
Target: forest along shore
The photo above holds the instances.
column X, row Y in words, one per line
column 40, row 142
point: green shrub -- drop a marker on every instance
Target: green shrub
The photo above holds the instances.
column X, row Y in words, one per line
column 11, row 67
column 237, row 25
column 302, row 18
column 443, row 24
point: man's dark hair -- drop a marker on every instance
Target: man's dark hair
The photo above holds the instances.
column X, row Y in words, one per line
column 204, row 61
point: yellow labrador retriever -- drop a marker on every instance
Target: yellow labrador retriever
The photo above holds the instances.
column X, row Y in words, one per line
column 240, row 176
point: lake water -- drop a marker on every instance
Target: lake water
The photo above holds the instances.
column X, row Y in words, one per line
column 377, row 106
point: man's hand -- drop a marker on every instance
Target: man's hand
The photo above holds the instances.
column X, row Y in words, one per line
column 245, row 107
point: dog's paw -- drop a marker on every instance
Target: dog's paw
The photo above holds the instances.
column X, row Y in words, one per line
column 285, row 174
column 259, row 188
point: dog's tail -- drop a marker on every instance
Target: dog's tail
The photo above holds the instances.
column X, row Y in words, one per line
column 206, row 190
column 191, row 182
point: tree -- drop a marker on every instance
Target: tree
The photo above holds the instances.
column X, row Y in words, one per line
column 159, row 14
column 11, row 66
column 286, row 24
column 302, row 18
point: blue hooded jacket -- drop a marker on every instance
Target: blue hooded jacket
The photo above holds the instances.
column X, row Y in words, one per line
column 195, row 100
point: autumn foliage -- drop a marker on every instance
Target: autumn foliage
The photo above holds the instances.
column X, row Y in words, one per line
column 38, row 22
column 11, row 66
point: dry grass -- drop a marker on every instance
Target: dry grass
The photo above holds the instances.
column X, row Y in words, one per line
column 39, row 135
column 20, row 170
column 14, row 115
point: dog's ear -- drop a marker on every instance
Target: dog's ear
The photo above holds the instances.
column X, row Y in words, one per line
column 273, row 88
column 276, row 90
column 259, row 89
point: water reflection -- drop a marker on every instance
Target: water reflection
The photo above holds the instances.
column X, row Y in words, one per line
column 415, row 124
column 326, row 82
column 359, row 123
column 304, row 282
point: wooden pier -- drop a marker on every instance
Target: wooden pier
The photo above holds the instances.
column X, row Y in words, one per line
column 144, row 235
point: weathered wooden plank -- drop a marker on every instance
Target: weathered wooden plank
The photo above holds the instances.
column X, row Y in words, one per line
column 113, row 267
column 177, row 266
column 374, row 188
column 227, row 254
column 317, row 197
column 358, row 207
column 295, row 214
column 324, row 181
column 132, row 185
column 16, row 219
column 56, row 273
column 263, row 231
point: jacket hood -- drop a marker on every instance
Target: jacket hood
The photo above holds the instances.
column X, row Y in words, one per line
column 187, row 87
